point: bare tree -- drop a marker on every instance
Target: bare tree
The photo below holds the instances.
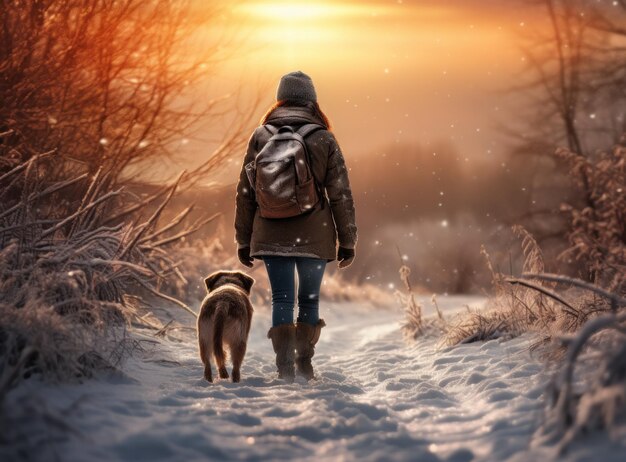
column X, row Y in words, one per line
column 578, row 60
column 577, row 63
column 104, row 83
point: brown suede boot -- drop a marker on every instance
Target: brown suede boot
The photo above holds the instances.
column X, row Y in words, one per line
column 307, row 336
column 283, row 339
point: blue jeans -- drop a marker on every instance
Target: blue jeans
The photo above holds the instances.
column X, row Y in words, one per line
column 281, row 272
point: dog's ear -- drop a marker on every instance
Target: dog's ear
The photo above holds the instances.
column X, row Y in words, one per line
column 246, row 281
column 212, row 279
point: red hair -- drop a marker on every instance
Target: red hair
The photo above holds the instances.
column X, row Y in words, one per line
column 316, row 108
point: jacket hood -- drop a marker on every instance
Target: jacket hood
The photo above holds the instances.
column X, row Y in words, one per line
column 294, row 115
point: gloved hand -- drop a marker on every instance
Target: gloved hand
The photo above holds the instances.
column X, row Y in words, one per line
column 244, row 256
column 345, row 257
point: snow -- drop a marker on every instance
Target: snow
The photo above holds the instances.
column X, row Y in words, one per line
column 377, row 398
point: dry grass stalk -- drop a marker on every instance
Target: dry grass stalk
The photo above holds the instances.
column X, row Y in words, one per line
column 442, row 320
column 413, row 326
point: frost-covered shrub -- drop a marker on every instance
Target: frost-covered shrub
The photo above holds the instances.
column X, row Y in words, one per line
column 67, row 277
column 598, row 239
column 598, row 227
column 584, row 325
column 523, row 305
column 510, row 309
column 589, row 390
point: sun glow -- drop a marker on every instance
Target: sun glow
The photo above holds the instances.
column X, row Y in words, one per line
column 290, row 12
column 303, row 28
column 304, row 11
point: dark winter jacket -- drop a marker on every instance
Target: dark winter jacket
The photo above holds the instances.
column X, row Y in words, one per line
column 313, row 234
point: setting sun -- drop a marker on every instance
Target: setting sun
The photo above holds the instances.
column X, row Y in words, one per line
column 410, row 72
column 303, row 11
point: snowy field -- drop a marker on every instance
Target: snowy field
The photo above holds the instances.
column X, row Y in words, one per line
column 377, row 399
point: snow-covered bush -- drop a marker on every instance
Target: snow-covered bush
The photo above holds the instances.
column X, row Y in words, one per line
column 527, row 304
column 582, row 325
column 67, row 276
column 589, row 390
column 598, row 227
column 511, row 309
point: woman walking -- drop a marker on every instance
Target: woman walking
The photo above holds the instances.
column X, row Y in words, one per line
column 293, row 203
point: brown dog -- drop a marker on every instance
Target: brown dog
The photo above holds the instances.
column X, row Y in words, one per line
column 225, row 318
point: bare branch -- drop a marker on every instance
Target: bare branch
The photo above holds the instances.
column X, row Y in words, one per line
column 615, row 299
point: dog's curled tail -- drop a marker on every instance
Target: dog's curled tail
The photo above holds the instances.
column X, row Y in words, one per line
column 221, row 313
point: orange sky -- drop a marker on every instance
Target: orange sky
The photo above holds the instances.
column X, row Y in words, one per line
column 386, row 71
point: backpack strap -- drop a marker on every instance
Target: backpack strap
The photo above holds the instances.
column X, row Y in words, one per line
column 307, row 129
column 270, row 128
column 304, row 131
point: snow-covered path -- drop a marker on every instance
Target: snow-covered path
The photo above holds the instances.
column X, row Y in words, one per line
column 376, row 399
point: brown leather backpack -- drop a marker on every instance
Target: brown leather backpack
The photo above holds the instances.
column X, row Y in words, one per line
column 281, row 175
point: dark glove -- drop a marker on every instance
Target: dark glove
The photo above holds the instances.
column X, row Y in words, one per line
column 244, row 256
column 345, row 257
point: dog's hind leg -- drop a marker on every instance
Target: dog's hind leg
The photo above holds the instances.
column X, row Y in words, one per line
column 205, row 355
column 237, row 351
column 218, row 338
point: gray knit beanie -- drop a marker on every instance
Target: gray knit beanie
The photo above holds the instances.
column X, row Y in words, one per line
column 296, row 86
